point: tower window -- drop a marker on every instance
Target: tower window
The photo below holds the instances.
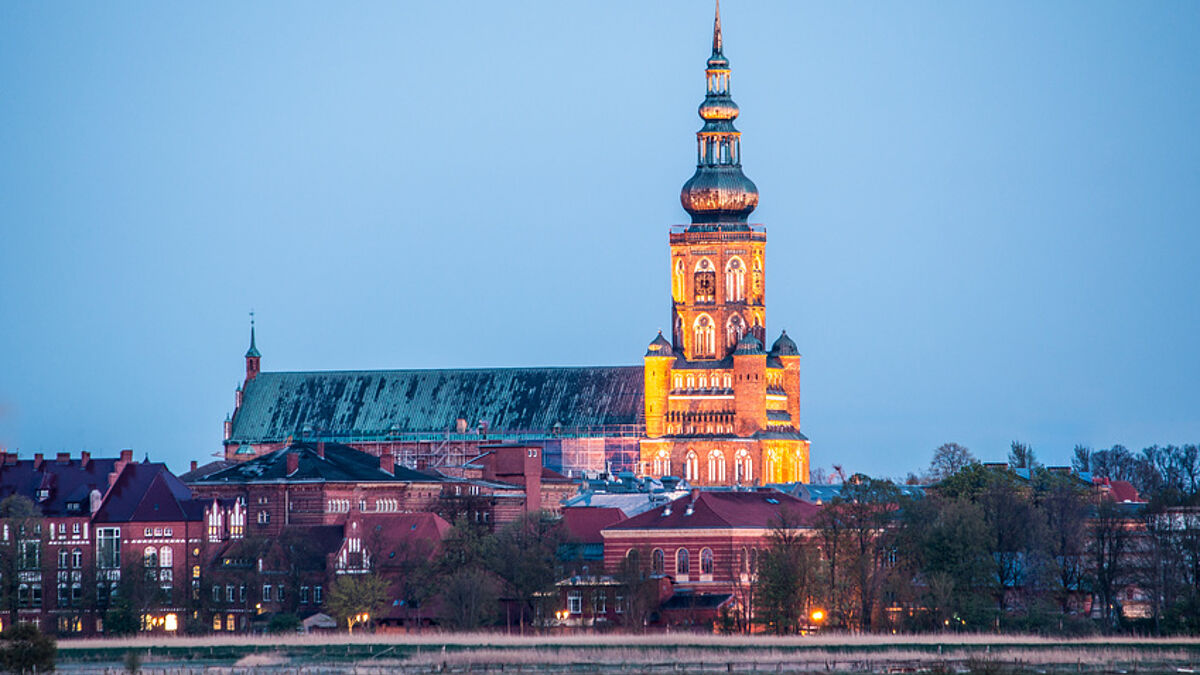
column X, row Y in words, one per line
column 703, row 336
column 705, row 282
column 735, row 280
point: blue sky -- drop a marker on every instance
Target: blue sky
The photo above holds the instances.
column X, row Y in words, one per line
column 982, row 217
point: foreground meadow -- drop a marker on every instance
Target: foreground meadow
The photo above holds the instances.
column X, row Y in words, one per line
column 672, row 652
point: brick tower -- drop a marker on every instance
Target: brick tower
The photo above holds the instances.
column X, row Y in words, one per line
column 719, row 409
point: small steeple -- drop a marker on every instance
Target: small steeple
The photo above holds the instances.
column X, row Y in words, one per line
column 253, row 358
column 253, row 351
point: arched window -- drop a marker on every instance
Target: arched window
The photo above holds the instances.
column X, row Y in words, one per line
column 682, row 564
column 662, row 463
column 165, row 557
column 150, row 557
column 771, row 466
column 756, row 279
column 754, row 561
column 735, row 280
column 677, row 287
column 742, row 471
column 691, row 466
column 716, row 467
column 705, row 282
column 744, row 562
column 77, row 558
column 706, row 561
column 658, row 561
column 734, row 330
column 633, row 560
column 63, row 558
column 702, row 336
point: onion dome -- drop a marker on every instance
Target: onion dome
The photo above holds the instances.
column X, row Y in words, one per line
column 659, row 347
column 748, row 346
column 718, row 194
column 784, row 346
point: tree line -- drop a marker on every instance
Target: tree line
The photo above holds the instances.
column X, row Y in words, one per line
column 1016, row 547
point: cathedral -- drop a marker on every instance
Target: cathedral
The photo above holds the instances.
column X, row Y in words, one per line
column 710, row 405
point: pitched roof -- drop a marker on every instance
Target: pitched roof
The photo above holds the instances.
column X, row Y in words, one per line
column 148, row 492
column 367, row 404
column 392, row 536
column 584, row 523
column 68, row 482
column 722, row 510
column 340, row 463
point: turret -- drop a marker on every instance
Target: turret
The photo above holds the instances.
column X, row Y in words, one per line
column 657, row 376
column 749, row 386
column 785, row 350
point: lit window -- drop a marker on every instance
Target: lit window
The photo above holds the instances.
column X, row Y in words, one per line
column 575, row 602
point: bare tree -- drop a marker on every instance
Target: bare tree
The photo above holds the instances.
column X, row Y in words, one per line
column 949, row 459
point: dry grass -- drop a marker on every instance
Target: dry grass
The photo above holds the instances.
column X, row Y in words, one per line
column 615, row 640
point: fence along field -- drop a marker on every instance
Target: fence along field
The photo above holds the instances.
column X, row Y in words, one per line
column 488, row 652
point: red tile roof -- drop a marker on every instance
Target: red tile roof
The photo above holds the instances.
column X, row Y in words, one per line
column 584, row 523
column 722, row 510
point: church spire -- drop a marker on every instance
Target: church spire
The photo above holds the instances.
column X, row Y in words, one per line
column 253, row 358
column 718, row 196
column 253, row 351
column 717, row 31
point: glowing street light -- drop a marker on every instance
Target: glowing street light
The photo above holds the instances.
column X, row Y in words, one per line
column 817, row 615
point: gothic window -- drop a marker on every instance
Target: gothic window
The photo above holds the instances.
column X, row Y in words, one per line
column 742, row 472
column 682, row 564
column 744, row 561
column 716, row 466
column 728, row 381
column 691, row 467
column 703, row 336
column 756, row 279
column 677, row 285
column 706, row 282
column 679, row 382
column 735, row 280
column 734, row 330
column 771, row 466
column 706, row 561
column 662, row 463
column 657, row 561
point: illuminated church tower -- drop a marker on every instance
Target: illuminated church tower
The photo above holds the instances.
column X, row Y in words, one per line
column 719, row 409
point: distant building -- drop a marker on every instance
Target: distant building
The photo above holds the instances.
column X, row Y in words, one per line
column 711, row 404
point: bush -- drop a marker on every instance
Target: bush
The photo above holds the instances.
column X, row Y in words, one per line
column 283, row 623
column 25, row 649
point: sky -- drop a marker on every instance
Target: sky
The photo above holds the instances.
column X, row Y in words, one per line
column 982, row 217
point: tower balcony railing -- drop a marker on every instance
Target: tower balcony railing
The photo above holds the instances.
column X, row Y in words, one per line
column 684, row 233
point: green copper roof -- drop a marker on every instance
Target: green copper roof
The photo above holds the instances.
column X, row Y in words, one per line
column 382, row 404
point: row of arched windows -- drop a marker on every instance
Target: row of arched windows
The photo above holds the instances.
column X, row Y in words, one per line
column 742, row 466
column 704, row 333
column 162, row 557
column 704, row 280
column 683, row 562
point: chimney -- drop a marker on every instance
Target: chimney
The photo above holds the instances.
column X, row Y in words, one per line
column 38, row 458
column 85, row 459
column 194, row 465
column 63, row 458
column 293, row 462
column 387, row 462
column 119, row 466
column 321, row 449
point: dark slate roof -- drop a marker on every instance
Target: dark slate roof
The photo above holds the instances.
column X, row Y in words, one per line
column 784, row 346
column 206, row 470
column 721, row 510
column 660, row 347
column 686, row 601
column 748, row 345
column 341, row 463
column 380, row 404
column 68, row 482
column 148, row 492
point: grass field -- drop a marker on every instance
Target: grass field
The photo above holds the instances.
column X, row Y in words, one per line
column 673, row 652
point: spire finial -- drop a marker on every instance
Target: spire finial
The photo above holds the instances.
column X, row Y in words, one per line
column 717, row 30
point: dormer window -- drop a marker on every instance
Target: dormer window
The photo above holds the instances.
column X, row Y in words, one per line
column 43, row 494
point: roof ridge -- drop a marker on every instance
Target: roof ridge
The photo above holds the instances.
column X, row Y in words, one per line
column 440, row 370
